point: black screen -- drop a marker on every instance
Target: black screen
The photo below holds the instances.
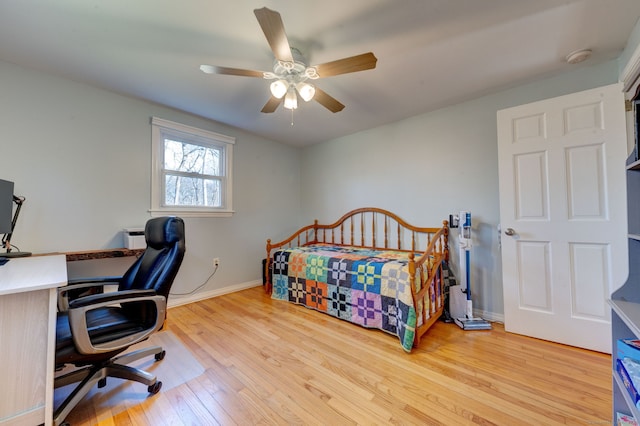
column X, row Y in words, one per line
column 6, row 206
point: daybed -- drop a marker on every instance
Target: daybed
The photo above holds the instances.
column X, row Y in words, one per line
column 370, row 267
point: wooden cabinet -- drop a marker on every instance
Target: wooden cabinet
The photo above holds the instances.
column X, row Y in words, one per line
column 27, row 338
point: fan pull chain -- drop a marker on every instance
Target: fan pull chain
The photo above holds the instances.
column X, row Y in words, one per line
column 291, row 117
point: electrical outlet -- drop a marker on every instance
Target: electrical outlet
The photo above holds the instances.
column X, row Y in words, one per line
column 216, row 262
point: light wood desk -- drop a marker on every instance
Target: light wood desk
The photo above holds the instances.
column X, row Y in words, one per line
column 27, row 337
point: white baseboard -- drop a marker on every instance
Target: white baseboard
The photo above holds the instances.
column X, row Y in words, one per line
column 183, row 300
column 489, row 316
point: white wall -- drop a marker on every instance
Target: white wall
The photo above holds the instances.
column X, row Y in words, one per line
column 81, row 157
column 426, row 167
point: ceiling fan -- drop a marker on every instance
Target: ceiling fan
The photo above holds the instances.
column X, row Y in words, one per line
column 291, row 73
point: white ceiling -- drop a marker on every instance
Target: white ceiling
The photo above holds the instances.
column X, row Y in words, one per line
column 431, row 53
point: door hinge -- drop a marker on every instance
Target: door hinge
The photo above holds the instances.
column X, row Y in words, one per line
column 628, row 105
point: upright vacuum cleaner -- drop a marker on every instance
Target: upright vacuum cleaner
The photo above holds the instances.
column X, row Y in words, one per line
column 466, row 322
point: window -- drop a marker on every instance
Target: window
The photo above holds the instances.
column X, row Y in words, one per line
column 191, row 173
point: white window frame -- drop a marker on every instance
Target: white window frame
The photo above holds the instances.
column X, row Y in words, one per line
column 162, row 129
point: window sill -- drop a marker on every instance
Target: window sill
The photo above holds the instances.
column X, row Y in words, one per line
column 191, row 213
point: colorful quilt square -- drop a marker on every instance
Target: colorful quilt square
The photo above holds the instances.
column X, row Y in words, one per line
column 316, row 268
column 366, row 276
column 280, row 288
column 280, row 263
column 367, row 308
column 316, row 295
column 297, row 264
column 352, row 255
column 339, row 271
column 394, row 281
column 339, row 304
column 389, row 314
column 406, row 324
column 297, row 290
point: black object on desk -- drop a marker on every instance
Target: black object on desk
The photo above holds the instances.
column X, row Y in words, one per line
column 6, row 240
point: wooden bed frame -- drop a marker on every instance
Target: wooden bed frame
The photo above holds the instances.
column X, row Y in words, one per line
column 375, row 228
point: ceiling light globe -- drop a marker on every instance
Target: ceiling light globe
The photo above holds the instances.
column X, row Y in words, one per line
column 306, row 90
column 291, row 99
column 279, row 88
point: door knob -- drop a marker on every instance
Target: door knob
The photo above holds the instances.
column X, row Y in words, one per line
column 510, row 232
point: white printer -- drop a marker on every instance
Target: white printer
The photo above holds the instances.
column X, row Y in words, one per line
column 134, row 238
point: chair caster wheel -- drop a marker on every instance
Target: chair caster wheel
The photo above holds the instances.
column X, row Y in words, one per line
column 160, row 356
column 102, row 382
column 155, row 388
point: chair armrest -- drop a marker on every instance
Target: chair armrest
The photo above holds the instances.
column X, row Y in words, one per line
column 78, row 319
column 96, row 280
column 98, row 300
column 82, row 283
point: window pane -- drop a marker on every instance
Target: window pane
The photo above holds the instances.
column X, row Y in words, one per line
column 188, row 191
column 191, row 170
column 185, row 157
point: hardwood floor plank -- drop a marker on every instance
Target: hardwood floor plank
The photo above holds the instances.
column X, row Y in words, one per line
column 228, row 396
column 204, row 397
column 272, row 362
column 283, row 369
column 188, row 408
column 120, row 419
column 292, row 412
column 137, row 415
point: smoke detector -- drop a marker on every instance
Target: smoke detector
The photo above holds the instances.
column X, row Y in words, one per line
column 578, row 56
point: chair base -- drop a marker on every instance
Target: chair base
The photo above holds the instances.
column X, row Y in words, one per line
column 97, row 374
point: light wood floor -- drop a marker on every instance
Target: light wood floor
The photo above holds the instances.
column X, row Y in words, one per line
column 270, row 362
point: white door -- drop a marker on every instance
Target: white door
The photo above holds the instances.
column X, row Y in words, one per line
column 563, row 215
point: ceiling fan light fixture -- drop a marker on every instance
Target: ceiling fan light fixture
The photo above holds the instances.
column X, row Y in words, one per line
column 279, row 88
column 291, row 99
column 290, row 70
column 306, row 91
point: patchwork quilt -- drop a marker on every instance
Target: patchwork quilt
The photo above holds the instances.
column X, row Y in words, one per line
column 364, row 286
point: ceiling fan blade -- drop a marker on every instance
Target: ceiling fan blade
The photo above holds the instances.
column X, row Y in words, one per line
column 365, row 61
column 271, row 105
column 273, row 28
column 212, row 69
column 327, row 101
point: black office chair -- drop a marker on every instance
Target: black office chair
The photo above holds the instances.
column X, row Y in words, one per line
column 93, row 330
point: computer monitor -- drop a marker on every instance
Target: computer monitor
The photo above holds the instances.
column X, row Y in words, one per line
column 6, row 206
column 8, row 220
